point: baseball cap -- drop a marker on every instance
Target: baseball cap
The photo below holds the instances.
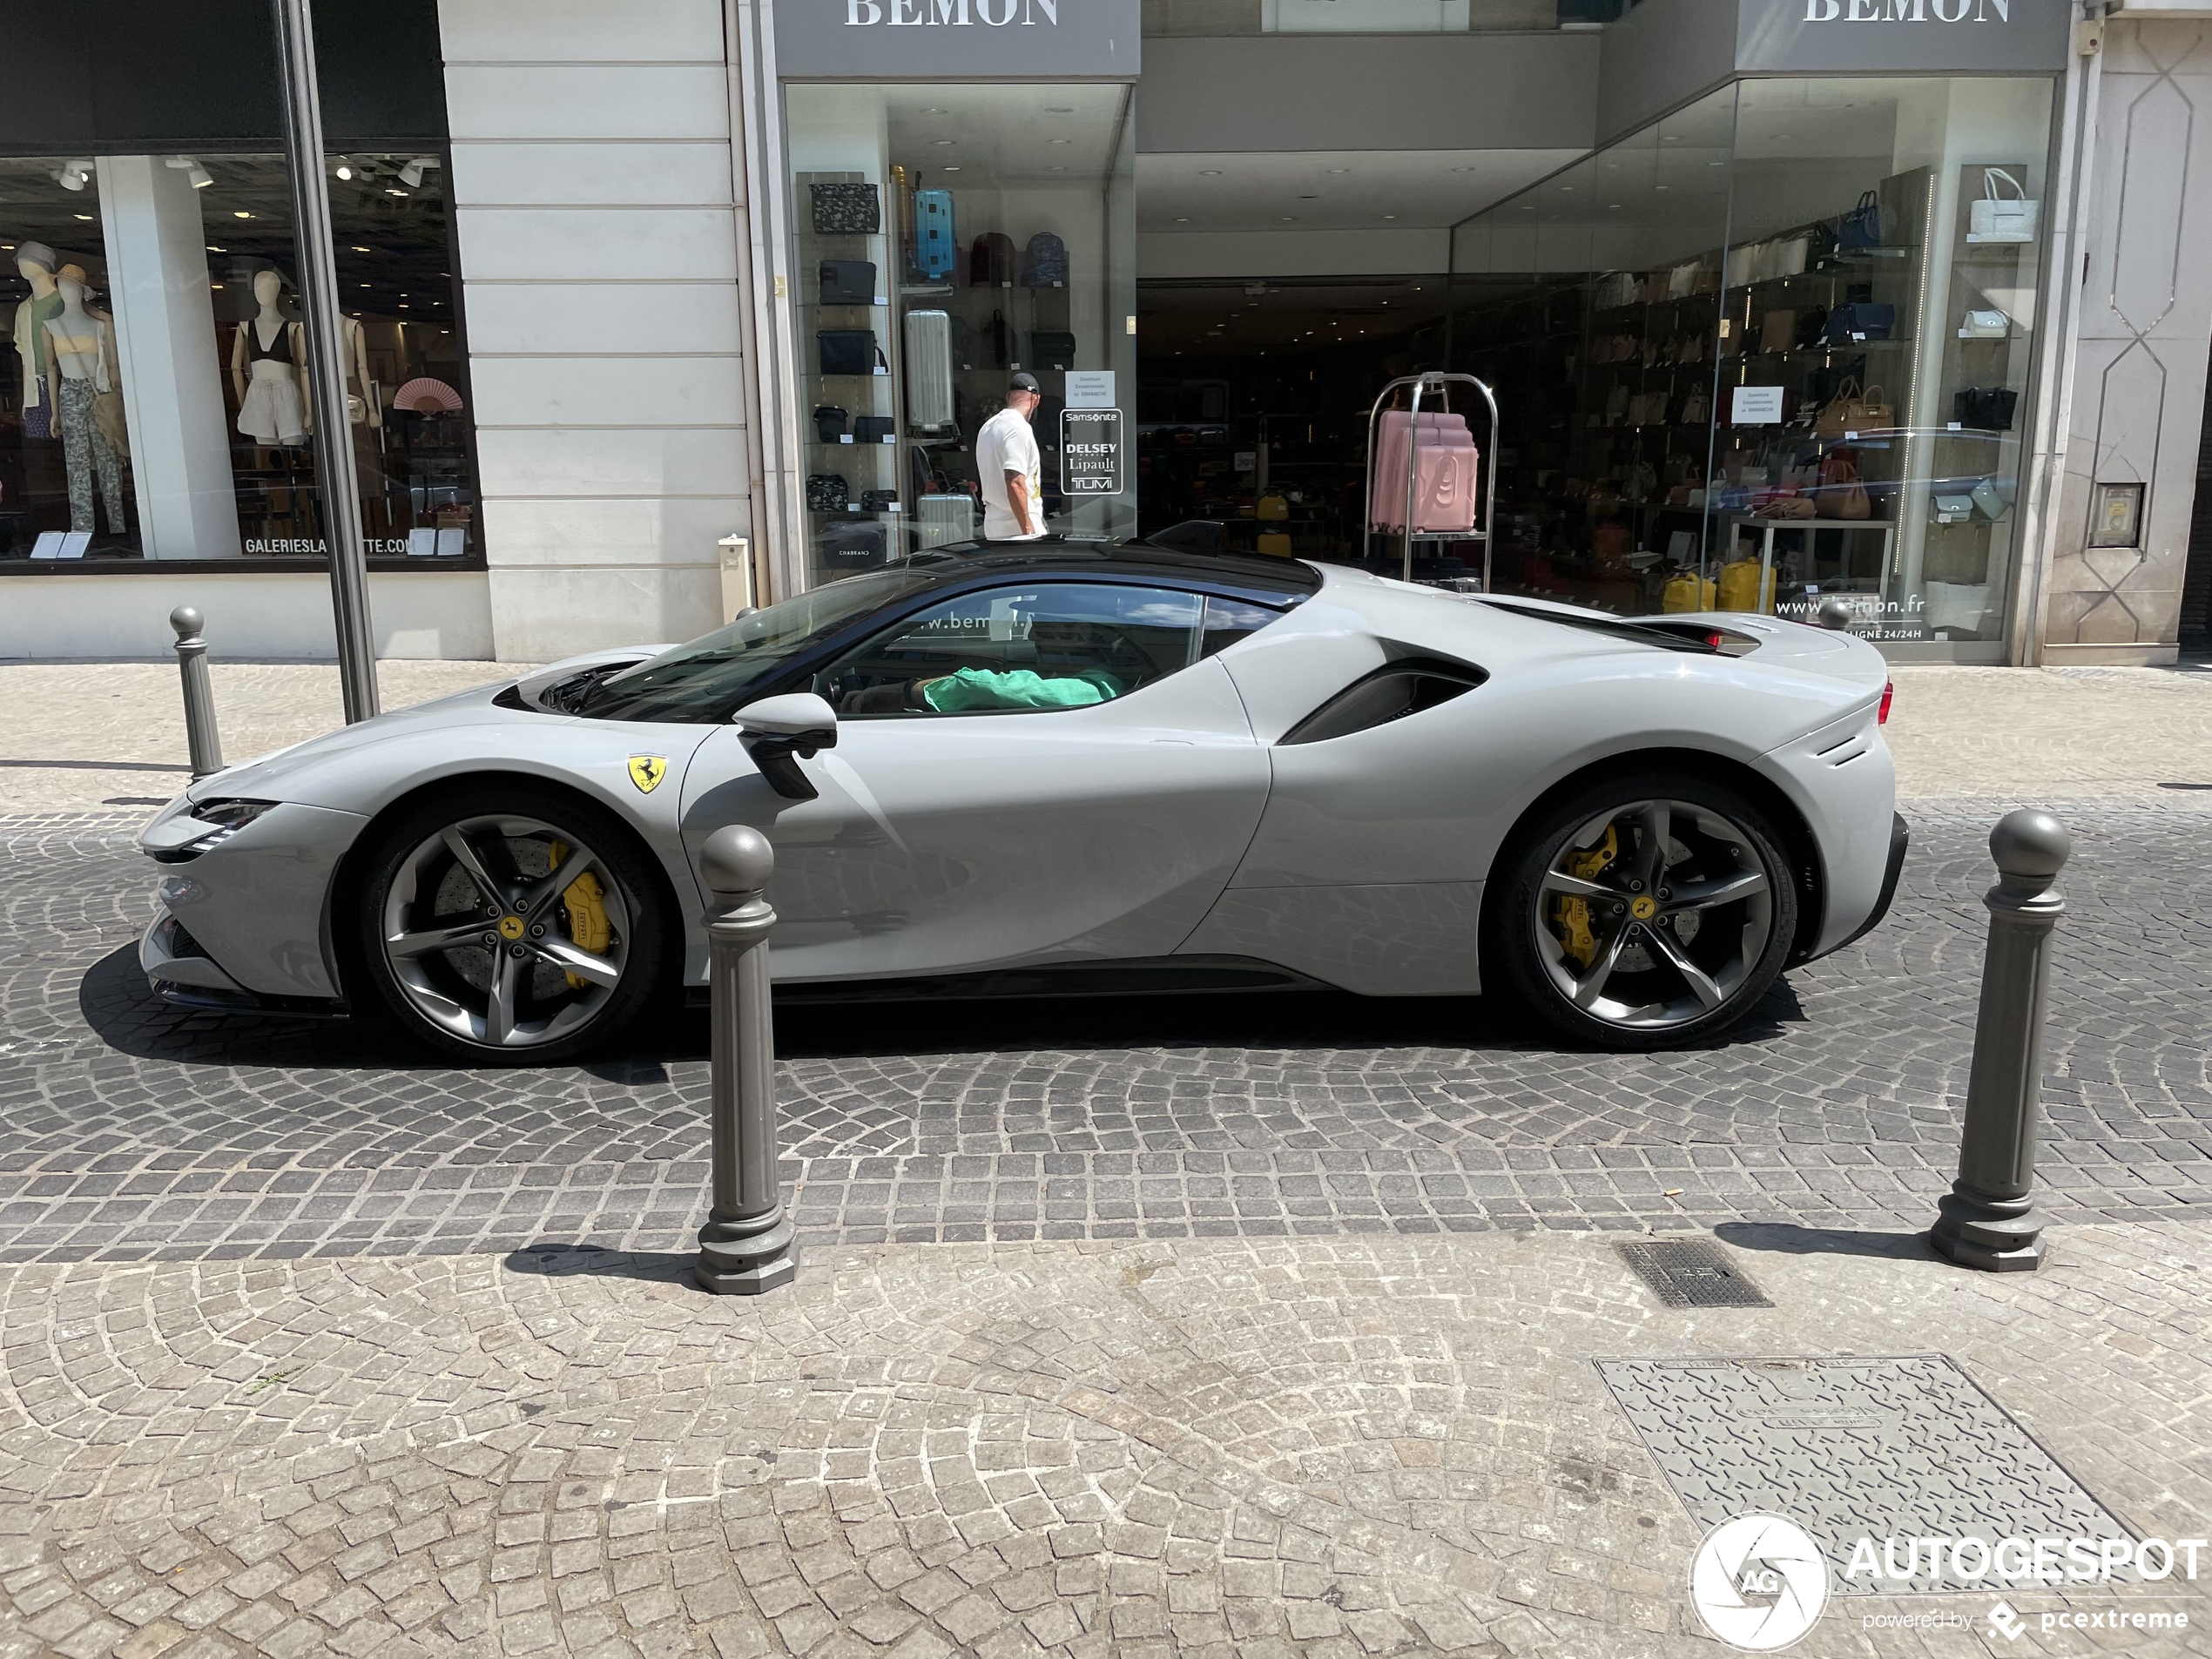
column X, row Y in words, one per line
column 1024, row 382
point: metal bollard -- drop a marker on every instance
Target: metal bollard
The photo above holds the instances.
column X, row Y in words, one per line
column 1987, row 1219
column 749, row 1245
column 200, row 736
column 1834, row 613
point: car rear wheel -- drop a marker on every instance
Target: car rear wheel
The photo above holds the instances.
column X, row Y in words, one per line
column 512, row 925
column 1644, row 911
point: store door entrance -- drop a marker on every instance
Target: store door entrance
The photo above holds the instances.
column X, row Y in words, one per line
column 1252, row 403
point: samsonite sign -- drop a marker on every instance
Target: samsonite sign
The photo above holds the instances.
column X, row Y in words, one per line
column 907, row 40
column 1927, row 36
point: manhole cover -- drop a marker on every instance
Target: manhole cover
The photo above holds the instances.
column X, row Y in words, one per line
column 1692, row 1273
column 1901, row 1449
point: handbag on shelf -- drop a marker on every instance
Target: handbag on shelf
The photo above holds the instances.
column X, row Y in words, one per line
column 1789, row 507
column 1996, row 217
column 848, row 282
column 1985, row 408
column 1785, row 257
column 1777, row 329
column 846, row 210
column 1848, row 324
column 1861, row 228
column 874, row 428
column 1843, row 494
column 1698, row 407
column 850, row 351
column 1986, row 325
column 827, row 492
column 1052, row 349
column 1044, row 262
column 829, row 423
column 1812, row 328
column 1743, row 264
column 991, row 262
column 878, row 501
column 1854, row 409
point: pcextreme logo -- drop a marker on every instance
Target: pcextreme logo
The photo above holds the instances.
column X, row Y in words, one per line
column 1908, row 11
column 952, row 14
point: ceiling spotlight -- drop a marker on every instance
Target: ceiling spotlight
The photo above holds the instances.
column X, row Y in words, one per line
column 239, row 213
column 1182, row 221
column 72, row 175
column 199, row 176
column 344, row 171
column 393, row 190
column 954, row 168
column 1339, row 171
column 1208, row 173
column 411, row 175
column 358, row 249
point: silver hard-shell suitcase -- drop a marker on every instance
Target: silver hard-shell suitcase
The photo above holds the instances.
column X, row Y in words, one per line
column 929, row 370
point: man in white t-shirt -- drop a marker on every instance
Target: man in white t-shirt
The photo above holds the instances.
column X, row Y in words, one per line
column 1011, row 471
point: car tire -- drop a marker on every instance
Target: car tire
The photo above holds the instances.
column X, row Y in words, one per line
column 1583, row 934
column 560, row 981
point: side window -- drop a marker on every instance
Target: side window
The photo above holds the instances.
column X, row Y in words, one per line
column 1231, row 620
column 1005, row 650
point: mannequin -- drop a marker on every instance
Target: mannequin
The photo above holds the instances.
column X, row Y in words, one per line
column 81, row 350
column 268, row 361
column 362, row 410
column 37, row 264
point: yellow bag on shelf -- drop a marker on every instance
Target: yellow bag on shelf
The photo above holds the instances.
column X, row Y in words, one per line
column 1275, row 543
column 1275, row 507
column 1689, row 591
column 1741, row 588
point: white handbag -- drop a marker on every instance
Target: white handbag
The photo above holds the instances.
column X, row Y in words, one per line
column 1986, row 325
column 1999, row 217
column 1742, row 263
column 1787, row 257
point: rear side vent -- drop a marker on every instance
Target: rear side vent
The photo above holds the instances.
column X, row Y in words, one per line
column 1390, row 693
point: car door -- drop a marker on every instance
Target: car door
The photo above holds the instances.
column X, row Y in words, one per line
column 1050, row 770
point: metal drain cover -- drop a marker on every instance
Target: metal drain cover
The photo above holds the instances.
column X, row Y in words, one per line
column 1850, row 1449
column 1692, row 1273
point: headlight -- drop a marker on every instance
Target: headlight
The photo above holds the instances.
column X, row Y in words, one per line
column 226, row 818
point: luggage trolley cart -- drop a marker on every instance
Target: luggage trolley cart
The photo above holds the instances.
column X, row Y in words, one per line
column 1457, row 499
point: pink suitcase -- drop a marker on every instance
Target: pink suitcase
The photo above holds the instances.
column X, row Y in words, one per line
column 1447, row 498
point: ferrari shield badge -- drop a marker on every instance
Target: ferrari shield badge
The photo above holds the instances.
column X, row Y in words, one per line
column 647, row 771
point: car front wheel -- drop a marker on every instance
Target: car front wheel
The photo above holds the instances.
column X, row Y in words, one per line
column 1644, row 911
column 512, row 925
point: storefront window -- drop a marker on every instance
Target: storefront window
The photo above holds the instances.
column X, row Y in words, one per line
column 950, row 238
column 153, row 393
column 1219, row 18
column 1823, row 398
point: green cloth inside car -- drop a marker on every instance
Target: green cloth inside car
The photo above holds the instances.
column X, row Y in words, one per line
column 1021, row 688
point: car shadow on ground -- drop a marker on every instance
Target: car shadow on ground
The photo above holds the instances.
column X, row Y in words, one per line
column 129, row 1016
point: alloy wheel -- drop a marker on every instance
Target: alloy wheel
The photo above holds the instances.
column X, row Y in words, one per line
column 1653, row 913
column 506, row 932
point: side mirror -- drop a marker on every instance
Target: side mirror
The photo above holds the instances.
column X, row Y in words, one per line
column 780, row 732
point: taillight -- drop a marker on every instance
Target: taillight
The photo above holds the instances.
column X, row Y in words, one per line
column 1713, row 641
column 1889, row 693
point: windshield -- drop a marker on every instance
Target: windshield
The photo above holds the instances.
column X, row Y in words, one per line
column 701, row 683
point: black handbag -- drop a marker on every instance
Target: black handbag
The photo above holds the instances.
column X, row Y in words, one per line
column 1985, row 408
column 850, row 351
column 878, row 501
column 873, row 429
column 1848, row 324
column 848, row 282
column 827, row 492
column 1861, row 228
column 847, row 210
column 829, row 423
column 854, row 544
column 1052, row 350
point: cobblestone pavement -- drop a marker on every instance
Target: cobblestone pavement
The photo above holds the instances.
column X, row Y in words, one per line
column 138, row 1130
column 1264, row 1449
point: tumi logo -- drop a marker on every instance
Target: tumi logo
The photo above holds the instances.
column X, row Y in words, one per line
column 1908, row 11
column 956, row 14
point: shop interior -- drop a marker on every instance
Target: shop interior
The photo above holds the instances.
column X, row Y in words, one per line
column 1771, row 350
column 947, row 236
column 192, row 440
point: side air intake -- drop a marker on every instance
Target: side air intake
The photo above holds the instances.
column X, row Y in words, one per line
column 1391, row 692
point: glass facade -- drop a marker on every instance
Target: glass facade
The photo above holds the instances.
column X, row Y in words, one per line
column 947, row 238
column 153, row 395
column 1776, row 348
column 1219, row 17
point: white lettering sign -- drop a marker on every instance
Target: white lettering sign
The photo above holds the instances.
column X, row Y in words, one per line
column 1907, row 10
column 950, row 14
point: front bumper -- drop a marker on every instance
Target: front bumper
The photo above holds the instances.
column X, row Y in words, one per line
column 249, row 915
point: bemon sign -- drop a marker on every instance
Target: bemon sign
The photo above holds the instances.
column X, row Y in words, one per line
column 1908, row 11
column 956, row 14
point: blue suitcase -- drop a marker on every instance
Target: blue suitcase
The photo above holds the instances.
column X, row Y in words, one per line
column 936, row 243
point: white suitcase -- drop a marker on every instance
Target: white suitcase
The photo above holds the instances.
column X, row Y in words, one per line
column 944, row 520
column 929, row 370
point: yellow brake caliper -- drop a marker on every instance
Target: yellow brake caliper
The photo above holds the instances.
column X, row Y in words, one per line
column 1572, row 913
column 584, row 900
